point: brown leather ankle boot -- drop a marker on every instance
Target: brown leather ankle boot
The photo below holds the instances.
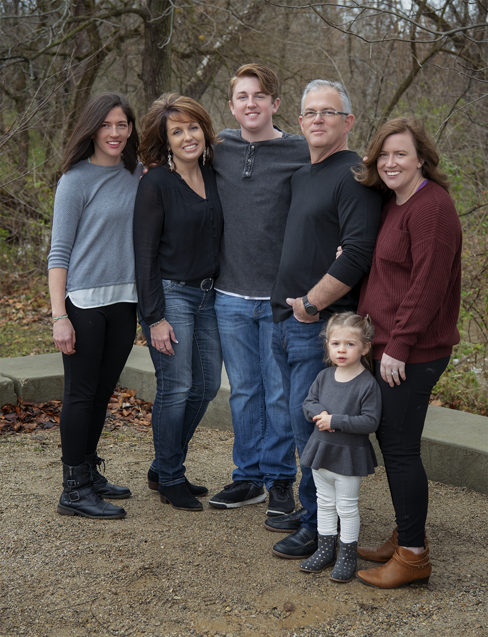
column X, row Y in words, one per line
column 405, row 567
column 382, row 553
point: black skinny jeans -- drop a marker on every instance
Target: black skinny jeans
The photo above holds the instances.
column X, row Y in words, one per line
column 399, row 435
column 104, row 338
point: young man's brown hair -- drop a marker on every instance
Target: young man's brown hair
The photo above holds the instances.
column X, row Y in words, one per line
column 267, row 79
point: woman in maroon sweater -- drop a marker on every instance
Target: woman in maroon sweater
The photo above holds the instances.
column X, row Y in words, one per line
column 412, row 295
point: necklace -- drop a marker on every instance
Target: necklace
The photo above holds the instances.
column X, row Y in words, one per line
column 413, row 191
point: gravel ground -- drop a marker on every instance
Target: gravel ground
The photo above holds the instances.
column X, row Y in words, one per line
column 162, row 572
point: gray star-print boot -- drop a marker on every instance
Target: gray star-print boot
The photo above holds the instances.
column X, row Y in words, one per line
column 324, row 556
column 346, row 563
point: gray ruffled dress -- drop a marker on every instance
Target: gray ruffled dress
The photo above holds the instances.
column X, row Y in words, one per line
column 356, row 411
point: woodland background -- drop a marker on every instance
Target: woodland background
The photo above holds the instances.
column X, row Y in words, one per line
column 395, row 57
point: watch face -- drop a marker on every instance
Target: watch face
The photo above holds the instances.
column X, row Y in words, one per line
column 309, row 308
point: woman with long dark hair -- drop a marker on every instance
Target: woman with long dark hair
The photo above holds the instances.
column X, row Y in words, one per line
column 412, row 295
column 93, row 291
column 177, row 230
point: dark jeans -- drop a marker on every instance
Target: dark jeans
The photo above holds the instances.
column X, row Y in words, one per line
column 104, row 338
column 399, row 436
column 299, row 354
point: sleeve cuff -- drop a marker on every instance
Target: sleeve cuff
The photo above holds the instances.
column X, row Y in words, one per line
column 400, row 351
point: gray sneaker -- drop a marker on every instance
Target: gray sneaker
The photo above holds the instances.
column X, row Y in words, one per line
column 238, row 494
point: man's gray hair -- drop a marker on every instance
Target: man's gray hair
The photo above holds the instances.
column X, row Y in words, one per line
column 316, row 85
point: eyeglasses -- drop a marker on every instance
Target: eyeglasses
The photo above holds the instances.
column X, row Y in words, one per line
column 310, row 115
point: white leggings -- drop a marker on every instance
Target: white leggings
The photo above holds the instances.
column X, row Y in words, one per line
column 337, row 495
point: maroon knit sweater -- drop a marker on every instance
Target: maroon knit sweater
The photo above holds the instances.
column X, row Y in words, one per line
column 413, row 290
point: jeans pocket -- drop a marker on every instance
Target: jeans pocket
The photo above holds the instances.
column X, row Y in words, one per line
column 168, row 285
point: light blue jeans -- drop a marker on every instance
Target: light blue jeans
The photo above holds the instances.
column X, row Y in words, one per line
column 187, row 381
column 264, row 446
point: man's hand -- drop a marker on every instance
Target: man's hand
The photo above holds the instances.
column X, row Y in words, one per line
column 299, row 311
column 323, row 421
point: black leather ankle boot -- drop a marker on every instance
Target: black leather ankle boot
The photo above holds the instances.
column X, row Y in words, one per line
column 80, row 497
column 100, row 482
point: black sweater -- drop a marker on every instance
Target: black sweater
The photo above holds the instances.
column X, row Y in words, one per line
column 176, row 235
column 329, row 208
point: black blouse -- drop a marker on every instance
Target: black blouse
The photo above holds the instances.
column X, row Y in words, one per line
column 176, row 235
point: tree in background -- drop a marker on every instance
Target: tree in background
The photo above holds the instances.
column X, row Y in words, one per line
column 424, row 58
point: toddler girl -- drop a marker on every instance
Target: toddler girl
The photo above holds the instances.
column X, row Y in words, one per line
column 345, row 404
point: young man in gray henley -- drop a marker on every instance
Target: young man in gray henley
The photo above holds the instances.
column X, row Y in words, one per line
column 254, row 166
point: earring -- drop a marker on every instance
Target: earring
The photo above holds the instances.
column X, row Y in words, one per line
column 170, row 157
column 420, row 165
column 204, row 156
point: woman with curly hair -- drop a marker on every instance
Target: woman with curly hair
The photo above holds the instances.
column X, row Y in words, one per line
column 177, row 230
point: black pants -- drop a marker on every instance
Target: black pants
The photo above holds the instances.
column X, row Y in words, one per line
column 399, row 434
column 104, row 338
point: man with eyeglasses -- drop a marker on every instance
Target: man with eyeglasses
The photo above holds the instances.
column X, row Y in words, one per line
column 329, row 208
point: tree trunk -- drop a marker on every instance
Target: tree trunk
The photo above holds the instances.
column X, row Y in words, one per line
column 91, row 67
column 156, row 62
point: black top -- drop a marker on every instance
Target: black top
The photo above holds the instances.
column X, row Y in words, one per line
column 329, row 208
column 176, row 235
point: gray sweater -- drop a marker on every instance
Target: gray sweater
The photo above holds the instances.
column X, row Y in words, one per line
column 253, row 179
column 356, row 410
column 92, row 225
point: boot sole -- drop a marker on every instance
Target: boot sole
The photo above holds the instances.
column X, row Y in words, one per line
column 63, row 511
column 165, row 500
column 236, row 505
column 306, row 570
column 416, row 582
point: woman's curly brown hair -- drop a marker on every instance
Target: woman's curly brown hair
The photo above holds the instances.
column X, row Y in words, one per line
column 153, row 149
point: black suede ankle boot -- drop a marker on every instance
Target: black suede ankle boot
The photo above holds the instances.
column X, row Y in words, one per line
column 179, row 496
column 80, row 497
column 100, row 482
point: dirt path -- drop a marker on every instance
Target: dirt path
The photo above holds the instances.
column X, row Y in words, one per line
column 162, row 572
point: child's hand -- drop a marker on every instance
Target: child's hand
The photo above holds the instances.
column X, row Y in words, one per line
column 323, row 421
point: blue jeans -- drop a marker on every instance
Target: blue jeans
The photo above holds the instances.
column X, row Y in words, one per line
column 187, row 381
column 299, row 354
column 264, row 447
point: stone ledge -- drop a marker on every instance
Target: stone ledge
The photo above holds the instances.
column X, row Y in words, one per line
column 36, row 378
column 7, row 391
column 454, row 444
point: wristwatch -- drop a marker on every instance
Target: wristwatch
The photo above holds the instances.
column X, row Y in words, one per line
column 309, row 308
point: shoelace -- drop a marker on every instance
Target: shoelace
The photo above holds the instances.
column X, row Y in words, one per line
column 281, row 491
